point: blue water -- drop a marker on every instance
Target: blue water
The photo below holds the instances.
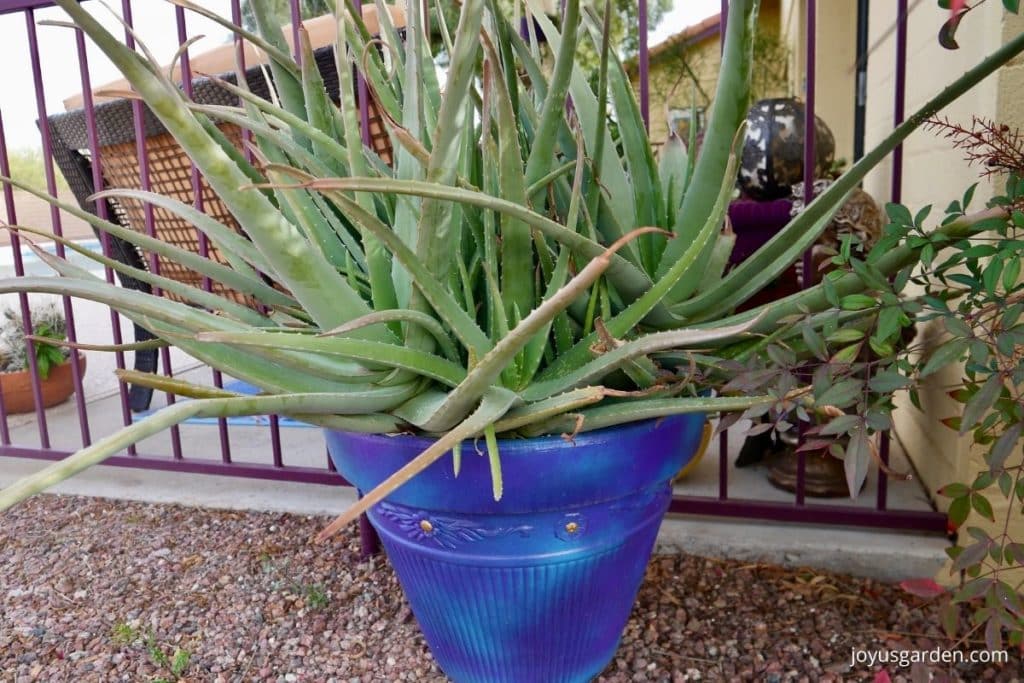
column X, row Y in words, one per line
column 33, row 266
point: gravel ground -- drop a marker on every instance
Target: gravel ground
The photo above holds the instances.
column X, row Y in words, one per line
column 99, row 590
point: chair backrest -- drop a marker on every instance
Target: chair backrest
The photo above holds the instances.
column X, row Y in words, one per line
column 169, row 168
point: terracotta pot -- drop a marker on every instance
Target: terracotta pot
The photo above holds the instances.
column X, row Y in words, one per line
column 824, row 475
column 56, row 388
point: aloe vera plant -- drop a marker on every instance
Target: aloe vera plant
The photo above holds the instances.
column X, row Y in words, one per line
column 512, row 274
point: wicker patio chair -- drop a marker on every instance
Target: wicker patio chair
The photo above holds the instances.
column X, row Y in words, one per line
column 170, row 169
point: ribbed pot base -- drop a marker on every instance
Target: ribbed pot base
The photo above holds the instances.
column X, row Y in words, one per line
column 536, row 587
column 551, row 617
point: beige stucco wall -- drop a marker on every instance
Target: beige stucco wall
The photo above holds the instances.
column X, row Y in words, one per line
column 671, row 84
column 835, row 62
column 934, row 173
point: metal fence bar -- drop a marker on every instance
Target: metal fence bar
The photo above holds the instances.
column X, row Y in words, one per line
column 236, row 18
column 761, row 510
column 645, row 64
column 197, row 195
column 723, row 437
column 96, row 165
column 899, row 104
column 810, row 30
column 8, row 192
column 296, row 16
column 51, row 187
column 295, row 474
column 26, row 317
column 142, row 155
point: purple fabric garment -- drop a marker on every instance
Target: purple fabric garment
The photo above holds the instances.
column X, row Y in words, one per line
column 755, row 223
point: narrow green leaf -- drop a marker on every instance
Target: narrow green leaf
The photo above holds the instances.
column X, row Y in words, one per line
column 1003, row 446
column 981, row 402
column 949, row 352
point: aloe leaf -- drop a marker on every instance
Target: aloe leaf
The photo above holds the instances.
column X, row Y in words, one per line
column 614, row 359
column 374, row 423
column 368, row 58
column 332, row 148
column 389, row 33
column 604, row 49
column 756, row 272
column 312, row 280
column 493, row 405
column 245, row 257
column 718, row 261
column 147, row 345
column 639, row 159
column 728, row 111
column 494, row 462
column 273, row 49
column 274, row 370
column 626, row 277
column 483, row 374
column 534, row 352
column 287, row 80
column 271, row 138
column 437, row 233
column 168, row 417
column 516, row 242
column 456, row 459
column 621, row 324
column 617, row 196
column 612, row 414
column 196, row 295
column 172, row 385
column 307, row 216
column 153, row 312
column 319, row 108
column 504, row 45
column 390, row 355
column 552, row 114
column 378, row 261
column 814, row 298
column 407, row 165
column 228, row 147
column 673, row 170
column 551, row 177
column 203, row 266
column 464, row 327
column 541, row 411
column 402, row 315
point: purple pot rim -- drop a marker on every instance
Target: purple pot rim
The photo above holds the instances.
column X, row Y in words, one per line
column 507, row 445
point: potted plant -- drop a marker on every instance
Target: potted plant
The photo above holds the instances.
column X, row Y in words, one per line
column 53, row 362
column 510, row 336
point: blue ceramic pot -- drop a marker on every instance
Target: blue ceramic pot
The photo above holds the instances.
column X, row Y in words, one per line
column 539, row 585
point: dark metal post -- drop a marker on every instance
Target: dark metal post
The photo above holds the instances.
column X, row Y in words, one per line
column 96, row 162
column 809, row 167
column 896, row 195
column 645, row 65
column 861, row 85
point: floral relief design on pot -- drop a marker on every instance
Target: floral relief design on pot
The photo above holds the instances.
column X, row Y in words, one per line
column 447, row 532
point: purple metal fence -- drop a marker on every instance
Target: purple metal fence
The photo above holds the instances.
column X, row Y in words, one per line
column 15, row 442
